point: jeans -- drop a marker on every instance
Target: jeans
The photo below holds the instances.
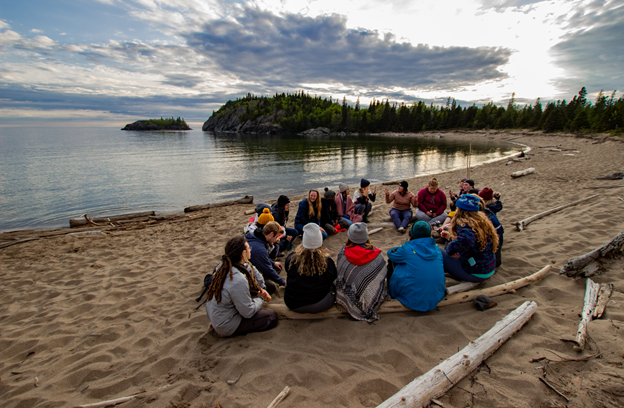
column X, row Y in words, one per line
column 422, row 216
column 348, row 221
column 401, row 218
column 290, row 232
column 363, row 209
column 299, row 228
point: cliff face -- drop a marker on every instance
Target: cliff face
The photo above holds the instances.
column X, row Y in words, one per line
column 147, row 125
column 230, row 121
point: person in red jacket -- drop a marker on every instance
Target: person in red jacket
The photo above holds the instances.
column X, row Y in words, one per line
column 431, row 203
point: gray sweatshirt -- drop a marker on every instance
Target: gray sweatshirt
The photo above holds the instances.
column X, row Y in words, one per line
column 236, row 302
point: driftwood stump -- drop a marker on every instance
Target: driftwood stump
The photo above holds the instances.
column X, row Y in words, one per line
column 591, row 294
column 245, row 200
column 522, row 172
column 582, row 265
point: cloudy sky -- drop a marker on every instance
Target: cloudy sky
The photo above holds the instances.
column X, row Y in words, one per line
column 116, row 61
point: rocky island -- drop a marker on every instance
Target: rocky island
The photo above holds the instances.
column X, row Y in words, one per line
column 158, row 124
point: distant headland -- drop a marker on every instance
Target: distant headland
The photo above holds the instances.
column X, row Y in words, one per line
column 158, row 124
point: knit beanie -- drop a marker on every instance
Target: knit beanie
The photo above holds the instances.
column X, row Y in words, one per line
column 468, row 202
column 260, row 207
column 364, row 183
column 312, row 237
column 358, row 234
column 403, row 184
column 420, row 229
column 487, row 193
column 282, row 201
column 343, row 187
column 329, row 194
column 265, row 217
column 469, row 181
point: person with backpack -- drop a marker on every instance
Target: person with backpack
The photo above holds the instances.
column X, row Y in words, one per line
column 237, row 293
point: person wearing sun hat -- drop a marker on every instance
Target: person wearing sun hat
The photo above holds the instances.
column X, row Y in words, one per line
column 361, row 281
column 417, row 277
column 470, row 256
column 310, row 274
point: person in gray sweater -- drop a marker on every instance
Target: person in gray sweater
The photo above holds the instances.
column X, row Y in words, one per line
column 237, row 293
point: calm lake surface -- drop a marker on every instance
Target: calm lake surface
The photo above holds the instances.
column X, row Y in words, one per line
column 49, row 175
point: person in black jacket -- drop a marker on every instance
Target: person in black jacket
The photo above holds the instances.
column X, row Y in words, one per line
column 280, row 210
column 363, row 198
column 329, row 213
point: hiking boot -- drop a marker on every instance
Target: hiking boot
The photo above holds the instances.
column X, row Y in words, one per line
column 365, row 219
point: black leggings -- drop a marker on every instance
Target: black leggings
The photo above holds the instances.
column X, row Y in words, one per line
column 265, row 319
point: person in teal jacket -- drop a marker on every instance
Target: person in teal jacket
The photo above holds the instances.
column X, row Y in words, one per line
column 417, row 280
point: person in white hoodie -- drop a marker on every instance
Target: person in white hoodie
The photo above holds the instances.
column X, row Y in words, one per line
column 237, row 293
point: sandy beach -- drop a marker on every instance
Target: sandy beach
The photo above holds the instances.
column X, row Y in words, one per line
column 92, row 317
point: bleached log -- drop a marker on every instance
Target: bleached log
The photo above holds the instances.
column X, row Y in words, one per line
column 279, row 397
column 77, row 222
column 248, row 212
column 394, row 306
column 603, row 298
column 575, row 266
column 245, row 200
column 107, row 403
column 523, row 172
column 520, row 225
column 445, row 375
column 462, row 287
column 591, row 294
column 381, row 225
column 376, row 230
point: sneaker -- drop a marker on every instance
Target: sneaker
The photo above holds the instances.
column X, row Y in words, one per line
column 401, row 230
column 365, row 219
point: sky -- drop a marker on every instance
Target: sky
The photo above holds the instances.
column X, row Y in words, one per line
column 117, row 61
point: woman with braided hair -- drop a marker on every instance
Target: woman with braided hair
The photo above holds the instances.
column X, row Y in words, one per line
column 237, row 293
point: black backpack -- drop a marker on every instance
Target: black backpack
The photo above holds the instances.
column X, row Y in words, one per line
column 207, row 282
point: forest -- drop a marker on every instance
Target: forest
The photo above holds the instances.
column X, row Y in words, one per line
column 299, row 111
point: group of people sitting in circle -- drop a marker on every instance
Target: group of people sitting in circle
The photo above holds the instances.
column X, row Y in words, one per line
column 360, row 278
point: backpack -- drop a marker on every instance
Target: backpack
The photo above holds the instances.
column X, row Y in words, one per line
column 207, row 282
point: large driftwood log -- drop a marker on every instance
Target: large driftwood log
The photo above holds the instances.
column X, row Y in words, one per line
column 462, row 287
column 522, row 172
column 574, row 267
column 78, row 222
column 445, row 375
column 394, row 306
column 591, row 294
column 520, row 225
column 603, row 298
column 245, row 200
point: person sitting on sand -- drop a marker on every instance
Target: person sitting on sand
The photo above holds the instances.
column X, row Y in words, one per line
column 310, row 274
column 431, row 203
column 401, row 212
column 491, row 199
column 330, row 220
column 416, row 270
column 237, row 293
column 363, row 198
column 345, row 207
column 470, row 256
column 361, row 281
column 261, row 241
column 465, row 186
column 498, row 227
column 279, row 211
column 309, row 212
column 253, row 221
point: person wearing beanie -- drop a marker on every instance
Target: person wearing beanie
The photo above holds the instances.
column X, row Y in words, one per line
column 252, row 224
column 491, row 199
column 470, row 256
column 403, row 200
column 262, row 241
column 280, row 210
column 363, row 199
column 416, row 270
column 309, row 212
column 265, row 217
column 360, row 285
column 310, row 274
column 498, row 227
column 330, row 219
column 465, row 185
column 345, row 207
column 431, row 203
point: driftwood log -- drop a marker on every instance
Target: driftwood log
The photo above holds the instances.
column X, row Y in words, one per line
column 394, row 306
column 445, row 375
column 84, row 220
column 249, row 212
column 245, row 200
column 589, row 304
column 603, row 298
column 580, row 266
column 374, row 231
column 522, row 172
column 280, row 397
column 462, row 287
column 520, row 225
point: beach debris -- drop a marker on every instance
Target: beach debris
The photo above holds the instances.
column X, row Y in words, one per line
column 552, row 387
column 394, row 306
column 603, row 298
column 612, row 176
column 376, row 230
column 620, row 198
column 521, row 225
column 36, row 381
column 109, row 402
column 280, row 397
column 95, row 221
column 462, row 287
column 438, row 403
column 591, row 295
column 232, row 382
column 445, row 375
column 598, row 187
column 249, row 212
column 523, row 172
column 248, row 199
column 590, row 263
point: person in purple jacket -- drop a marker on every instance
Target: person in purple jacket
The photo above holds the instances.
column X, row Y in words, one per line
column 470, row 256
column 431, row 203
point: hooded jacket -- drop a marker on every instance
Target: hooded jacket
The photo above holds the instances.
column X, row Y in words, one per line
column 418, row 279
column 346, row 207
column 260, row 257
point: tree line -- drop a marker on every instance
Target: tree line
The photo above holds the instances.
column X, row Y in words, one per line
column 299, row 111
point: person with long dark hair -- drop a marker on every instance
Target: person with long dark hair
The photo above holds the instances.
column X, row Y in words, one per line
column 237, row 293
column 309, row 212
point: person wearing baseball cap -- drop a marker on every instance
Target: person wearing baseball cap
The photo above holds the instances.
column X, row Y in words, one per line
column 470, row 256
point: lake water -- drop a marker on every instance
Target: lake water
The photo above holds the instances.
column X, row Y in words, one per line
column 49, row 175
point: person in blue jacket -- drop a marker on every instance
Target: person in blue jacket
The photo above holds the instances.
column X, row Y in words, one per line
column 309, row 212
column 261, row 242
column 417, row 280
